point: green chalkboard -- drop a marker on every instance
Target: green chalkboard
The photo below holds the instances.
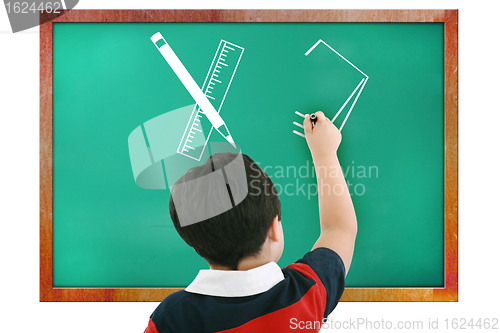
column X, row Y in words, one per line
column 109, row 79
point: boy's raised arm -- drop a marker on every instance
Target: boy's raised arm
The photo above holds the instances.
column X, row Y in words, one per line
column 336, row 211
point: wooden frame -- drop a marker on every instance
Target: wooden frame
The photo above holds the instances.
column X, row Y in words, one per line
column 450, row 19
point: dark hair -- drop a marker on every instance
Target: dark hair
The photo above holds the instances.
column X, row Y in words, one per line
column 238, row 232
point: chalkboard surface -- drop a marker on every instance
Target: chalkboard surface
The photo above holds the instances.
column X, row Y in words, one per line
column 109, row 79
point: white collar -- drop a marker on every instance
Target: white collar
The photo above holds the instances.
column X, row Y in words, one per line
column 236, row 283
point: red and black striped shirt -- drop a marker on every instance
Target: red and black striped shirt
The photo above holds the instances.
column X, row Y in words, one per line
column 306, row 292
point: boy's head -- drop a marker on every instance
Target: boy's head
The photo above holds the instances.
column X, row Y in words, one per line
column 238, row 232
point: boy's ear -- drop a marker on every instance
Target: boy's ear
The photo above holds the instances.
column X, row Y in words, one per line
column 274, row 229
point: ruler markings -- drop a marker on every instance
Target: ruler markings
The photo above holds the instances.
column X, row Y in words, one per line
column 195, row 114
column 222, row 63
column 234, row 72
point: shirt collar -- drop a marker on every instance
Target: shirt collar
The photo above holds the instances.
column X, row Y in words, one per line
column 236, row 283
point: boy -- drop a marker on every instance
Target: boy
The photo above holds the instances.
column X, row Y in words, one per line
column 245, row 290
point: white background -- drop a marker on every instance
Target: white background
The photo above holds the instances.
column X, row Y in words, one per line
column 478, row 188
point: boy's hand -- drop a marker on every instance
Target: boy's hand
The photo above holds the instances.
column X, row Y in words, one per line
column 324, row 138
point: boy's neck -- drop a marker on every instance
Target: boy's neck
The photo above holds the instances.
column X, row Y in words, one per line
column 271, row 250
column 245, row 264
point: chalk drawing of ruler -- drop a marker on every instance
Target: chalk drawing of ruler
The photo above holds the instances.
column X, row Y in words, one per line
column 216, row 85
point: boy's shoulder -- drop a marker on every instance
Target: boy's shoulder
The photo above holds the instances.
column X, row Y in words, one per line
column 316, row 281
column 327, row 269
column 174, row 313
column 326, row 264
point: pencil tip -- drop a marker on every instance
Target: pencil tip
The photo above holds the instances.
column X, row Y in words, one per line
column 229, row 138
